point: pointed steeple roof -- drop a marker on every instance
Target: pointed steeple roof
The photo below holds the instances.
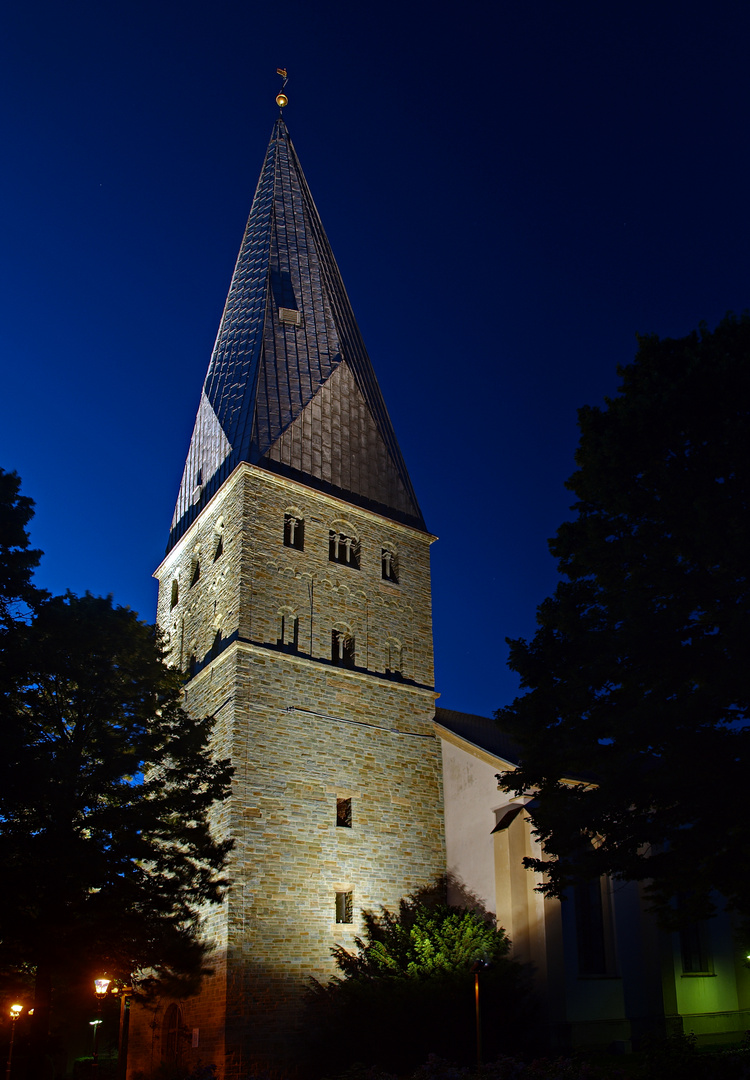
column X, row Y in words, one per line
column 290, row 386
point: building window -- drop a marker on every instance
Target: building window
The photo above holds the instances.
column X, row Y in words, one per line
column 342, row 648
column 170, row 1035
column 219, row 548
column 344, row 813
column 594, row 935
column 192, row 665
column 389, row 565
column 696, row 954
column 294, row 532
column 343, row 549
column 290, row 317
column 344, row 907
column 289, row 631
column 196, row 573
column 175, row 593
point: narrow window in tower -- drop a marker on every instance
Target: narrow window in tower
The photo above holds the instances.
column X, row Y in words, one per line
column 343, row 549
column 196, row 573
column 289, row 632
column 389, row 565
column 192, row 665
column 344, row 813
column 344, row 907
column 342, row 648
column 219, row 548
column 294, row 532
column 175, row 593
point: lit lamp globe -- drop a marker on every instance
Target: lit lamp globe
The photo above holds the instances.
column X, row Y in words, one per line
column 100, row 986
column 15, row 1011
column 282, row 100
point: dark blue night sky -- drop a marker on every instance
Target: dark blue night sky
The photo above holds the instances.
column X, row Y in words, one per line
column 513, row 192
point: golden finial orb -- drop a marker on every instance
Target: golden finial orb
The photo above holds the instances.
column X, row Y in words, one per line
column 282, row 100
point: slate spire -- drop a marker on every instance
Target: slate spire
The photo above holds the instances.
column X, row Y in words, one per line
column 290, row 386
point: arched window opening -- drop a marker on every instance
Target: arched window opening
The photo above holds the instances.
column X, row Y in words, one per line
column 288, row 631
column 342, row 648
column 195, row 576
column 389, row 565
column 170, row 1035
column 294, row 532
column 343, row 549
column 175, row 593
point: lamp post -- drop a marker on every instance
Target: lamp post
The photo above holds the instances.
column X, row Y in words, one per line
column 476, row 967
column 124, row 994
column 15, row 1012
column 100, row 989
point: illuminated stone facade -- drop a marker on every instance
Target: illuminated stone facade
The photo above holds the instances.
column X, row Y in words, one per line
column 306, row 734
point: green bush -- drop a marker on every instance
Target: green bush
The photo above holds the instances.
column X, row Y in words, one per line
column 408, row 991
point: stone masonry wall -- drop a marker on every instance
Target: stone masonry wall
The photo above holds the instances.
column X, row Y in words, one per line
column 302, row 732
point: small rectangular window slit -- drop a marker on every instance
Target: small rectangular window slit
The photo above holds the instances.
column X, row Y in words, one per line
column 344, row 907
column 344, row 813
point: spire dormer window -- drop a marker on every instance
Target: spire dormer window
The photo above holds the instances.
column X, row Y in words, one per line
column 290, row 317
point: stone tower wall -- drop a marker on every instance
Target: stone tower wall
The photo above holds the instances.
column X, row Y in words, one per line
column 303, row 732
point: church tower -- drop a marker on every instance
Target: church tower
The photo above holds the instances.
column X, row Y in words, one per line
column 296, row 596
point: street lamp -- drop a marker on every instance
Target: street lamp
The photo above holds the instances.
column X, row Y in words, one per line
column 15, row 1012
column 100, row 989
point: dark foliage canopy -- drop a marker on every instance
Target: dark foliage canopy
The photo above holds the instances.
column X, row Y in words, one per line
column 17, row 559
column 105, row 789
column 638, row 676
column 407, row 990
column 106, row 786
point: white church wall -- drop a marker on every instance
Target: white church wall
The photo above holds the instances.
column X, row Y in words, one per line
column 471, row 797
